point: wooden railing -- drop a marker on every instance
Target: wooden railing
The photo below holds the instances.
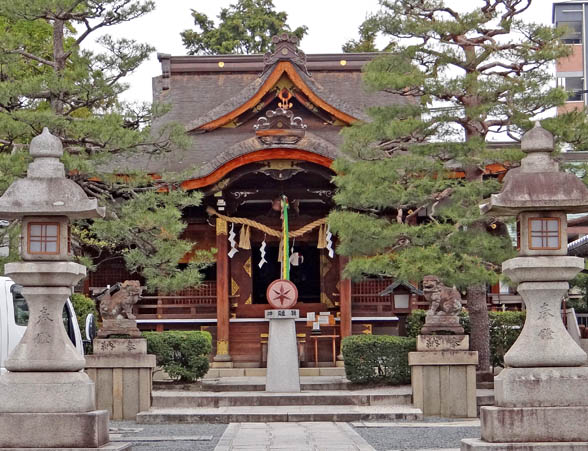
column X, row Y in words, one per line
column 366, row 300
column 190, row 303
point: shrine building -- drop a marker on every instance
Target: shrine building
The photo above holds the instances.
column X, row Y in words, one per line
column 264, row 126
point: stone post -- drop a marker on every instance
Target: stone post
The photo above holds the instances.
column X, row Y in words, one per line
column 540, row 401
column 121, row 367
column 46, row 402
column 443, row 370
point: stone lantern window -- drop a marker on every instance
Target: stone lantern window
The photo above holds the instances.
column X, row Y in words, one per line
column 542, row 233
column 45, row 238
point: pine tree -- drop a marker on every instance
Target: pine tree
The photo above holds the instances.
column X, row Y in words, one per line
column 47, row 79
column 409, row 201
column 244, row 28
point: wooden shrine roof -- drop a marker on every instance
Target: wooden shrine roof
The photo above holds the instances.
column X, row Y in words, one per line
column 218, row 100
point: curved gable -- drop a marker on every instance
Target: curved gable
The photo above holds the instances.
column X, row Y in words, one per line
column 249, row 97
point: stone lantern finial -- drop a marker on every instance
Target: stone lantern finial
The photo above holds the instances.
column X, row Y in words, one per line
column 537, row 140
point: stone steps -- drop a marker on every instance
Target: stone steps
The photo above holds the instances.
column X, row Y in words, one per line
column 255, row 383
column 215, row 373
column 265, row 414
column 391, row 396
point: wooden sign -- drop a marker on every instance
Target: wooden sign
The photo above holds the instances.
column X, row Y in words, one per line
column 282, row 294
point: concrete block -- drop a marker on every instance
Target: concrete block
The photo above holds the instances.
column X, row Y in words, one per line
column 231, row 372
column 443, row 358
column 123, row 389
column 331, row 371
column 211, row 374
column 116, row 346
column 107, row 447
column 447, row 390
column 54, row 430
column 221, row 364
column 46, row 392
column 118, row 361
column 255, row 372
column 282, row 357
column 443, row 343
column 534, row 424
column 309, row 371
column 473, row 444
column 541, row 387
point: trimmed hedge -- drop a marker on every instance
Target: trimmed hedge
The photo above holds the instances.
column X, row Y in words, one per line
column 184, row 355
column 377, row 358
column 505, row 328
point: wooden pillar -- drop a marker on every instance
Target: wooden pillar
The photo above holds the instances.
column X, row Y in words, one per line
column 222, row 359
column 344, row 304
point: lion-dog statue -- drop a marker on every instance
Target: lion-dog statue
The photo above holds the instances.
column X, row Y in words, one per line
column 116, row 308
column 443, row 300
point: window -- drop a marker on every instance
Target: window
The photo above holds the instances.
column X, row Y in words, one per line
column 43, row 238
column 574, row 86
column 401, row 301
column 544, row 233
column 573, row 32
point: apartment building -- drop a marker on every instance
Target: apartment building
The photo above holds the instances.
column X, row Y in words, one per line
column 570, row 71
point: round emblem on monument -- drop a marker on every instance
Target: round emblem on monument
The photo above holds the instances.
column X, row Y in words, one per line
column 282, row 294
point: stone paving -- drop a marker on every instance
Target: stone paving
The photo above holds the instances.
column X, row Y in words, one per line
column 322, row 436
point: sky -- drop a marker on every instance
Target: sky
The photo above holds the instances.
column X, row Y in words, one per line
column 330, row 23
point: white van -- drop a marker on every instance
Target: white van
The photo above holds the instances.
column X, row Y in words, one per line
column 14, row 316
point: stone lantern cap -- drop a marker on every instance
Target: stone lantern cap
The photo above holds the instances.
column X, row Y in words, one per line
column 538, row 184
column 46, row 191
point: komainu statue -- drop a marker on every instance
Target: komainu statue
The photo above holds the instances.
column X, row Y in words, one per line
column 445, row 305
column 443, row 300
column 116, row 309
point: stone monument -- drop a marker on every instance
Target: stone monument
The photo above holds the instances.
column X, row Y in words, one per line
column 443, row 370
column 540, row 397
column 120, row 367
column 282, row 355
column 46, row 401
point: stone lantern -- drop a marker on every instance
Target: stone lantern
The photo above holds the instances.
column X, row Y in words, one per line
column 539, row 396
column 46, row 401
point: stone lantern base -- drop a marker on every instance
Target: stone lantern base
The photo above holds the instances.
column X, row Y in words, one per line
column 536, row 409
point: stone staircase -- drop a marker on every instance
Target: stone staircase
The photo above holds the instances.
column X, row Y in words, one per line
column 237, row 395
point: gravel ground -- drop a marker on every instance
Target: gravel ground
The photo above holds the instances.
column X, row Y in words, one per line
column 168, row 430
column 439, row 434
column 406, row 438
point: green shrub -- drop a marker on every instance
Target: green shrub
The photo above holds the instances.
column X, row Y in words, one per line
column 377, row 358
column 182, row 354
column 415, row 322
column 83, row 306
column 505, row 328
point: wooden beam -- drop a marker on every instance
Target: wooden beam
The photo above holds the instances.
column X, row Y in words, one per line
column 345, row 303
column 222, row 357
column 254, row 157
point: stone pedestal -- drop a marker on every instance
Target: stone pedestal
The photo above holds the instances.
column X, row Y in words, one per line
column 282, row 359
column 121, row 370
column 440, row 322
column 443, row 376
column 119, row 327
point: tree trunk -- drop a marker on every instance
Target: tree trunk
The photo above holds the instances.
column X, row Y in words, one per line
column 480, row 335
